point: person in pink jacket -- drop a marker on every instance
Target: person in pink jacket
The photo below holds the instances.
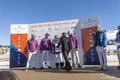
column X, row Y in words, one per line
column 45, row 49
column 74, row 49
column 32, row 47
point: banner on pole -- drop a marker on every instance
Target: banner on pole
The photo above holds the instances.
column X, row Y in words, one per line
column 18, row 40
column 86, row 27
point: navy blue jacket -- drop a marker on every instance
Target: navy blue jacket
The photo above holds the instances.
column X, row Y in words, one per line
column 102, row 38
column 118, row 39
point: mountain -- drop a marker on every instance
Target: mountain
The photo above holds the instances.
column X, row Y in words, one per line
column 111, row 34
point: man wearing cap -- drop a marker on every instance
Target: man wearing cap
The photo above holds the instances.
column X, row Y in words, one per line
column 65, row 43
column 74, row 49
column 32, row 47
column 45, row 49
column 118, row 45
column 100, row 42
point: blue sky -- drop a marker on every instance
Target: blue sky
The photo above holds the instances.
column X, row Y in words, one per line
column 36, row 11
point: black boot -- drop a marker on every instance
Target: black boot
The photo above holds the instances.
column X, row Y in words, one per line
column 68, row 67
column 57, row 65
column 61, row 65
column 79, row 66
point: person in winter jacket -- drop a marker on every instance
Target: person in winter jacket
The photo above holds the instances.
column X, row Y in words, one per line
column 118, row 45
column 65, row 44
column 100, row 42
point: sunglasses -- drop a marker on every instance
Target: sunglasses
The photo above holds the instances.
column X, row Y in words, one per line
column 118, row 28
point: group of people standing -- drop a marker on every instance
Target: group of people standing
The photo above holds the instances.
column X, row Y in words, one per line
column 58, row 46
column 64, row 45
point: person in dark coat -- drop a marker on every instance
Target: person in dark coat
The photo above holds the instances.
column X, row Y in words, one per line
column 65, row 43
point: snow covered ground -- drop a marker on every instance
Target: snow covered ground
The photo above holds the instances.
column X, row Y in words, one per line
column 111, row 48
column 112, row 60
column 4, row 61
column 6, row 55
column 111, row 34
